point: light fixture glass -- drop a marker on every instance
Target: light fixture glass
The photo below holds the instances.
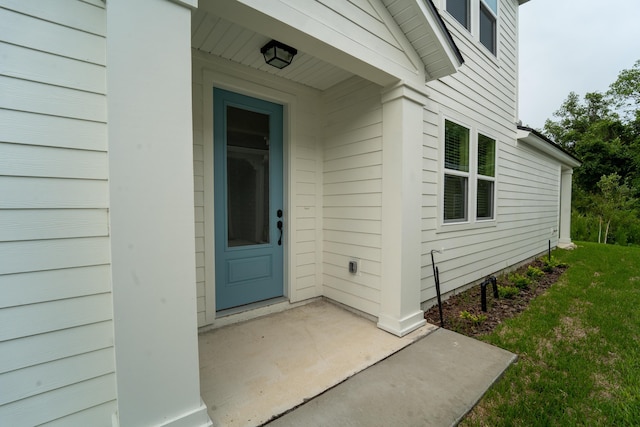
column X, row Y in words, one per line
column 278, row 54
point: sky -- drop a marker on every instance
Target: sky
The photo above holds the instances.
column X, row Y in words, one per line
column 572, row 45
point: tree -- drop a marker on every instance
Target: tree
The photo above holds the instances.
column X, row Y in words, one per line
column 625, row 91
column 603, row 131
column 625, row 95
column 594, row 133
column 613, row 199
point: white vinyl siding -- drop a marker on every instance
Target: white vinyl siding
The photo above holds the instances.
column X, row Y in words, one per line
column 353, row 194
column 306, row 167
column 359, row 27
column 482, row 95
column 199, row 197
column 56, row 320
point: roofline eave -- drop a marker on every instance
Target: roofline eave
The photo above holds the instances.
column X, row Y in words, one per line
column 537, row 140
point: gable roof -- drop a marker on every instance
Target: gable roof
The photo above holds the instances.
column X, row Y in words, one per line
column 381, row 40
column 535, row 139
column 428, row 34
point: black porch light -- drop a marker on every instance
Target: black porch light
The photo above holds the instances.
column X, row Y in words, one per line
column 278, row 54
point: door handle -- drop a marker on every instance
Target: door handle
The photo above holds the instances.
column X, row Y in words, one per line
column 280, row 228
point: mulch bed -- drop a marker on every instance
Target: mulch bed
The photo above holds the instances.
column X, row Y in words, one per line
column 498, row 310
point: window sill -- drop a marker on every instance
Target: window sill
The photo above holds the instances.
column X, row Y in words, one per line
column 466, row 226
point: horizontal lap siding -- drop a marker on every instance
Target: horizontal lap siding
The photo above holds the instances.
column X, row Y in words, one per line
column 306, row 152
column 56, row 320
column 352, row 194
column 484, row 88
column 198, row 197
column 483, row 94
column 361, row 26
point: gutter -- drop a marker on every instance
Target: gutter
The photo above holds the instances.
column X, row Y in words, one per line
column 535, row 139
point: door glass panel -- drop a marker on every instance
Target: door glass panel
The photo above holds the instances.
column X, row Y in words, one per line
column 247, row 177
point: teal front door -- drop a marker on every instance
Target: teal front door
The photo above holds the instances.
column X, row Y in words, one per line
column 247, row 199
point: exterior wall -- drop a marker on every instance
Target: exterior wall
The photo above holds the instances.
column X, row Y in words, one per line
column 483, row 95
column 352, row 188
column 303, row 177
column 56, row 327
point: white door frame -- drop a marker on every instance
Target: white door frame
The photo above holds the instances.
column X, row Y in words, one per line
column 229, row 81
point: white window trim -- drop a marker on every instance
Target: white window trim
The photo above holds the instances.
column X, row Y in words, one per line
column 471, row 223
column 473, row 33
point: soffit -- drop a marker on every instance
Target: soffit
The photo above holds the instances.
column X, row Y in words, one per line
column 412, row 37
column 428, row 34
column 219, row 37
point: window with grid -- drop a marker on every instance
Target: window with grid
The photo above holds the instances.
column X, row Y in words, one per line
column 486, row 172
column 456, row 178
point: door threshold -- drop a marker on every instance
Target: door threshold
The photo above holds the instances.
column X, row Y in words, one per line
column 252, row 311
column 248, row 307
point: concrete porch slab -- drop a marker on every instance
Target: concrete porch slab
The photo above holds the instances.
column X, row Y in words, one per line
column 433, row 382
column 252, row 371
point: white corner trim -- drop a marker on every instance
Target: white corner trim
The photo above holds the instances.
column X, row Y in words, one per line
column 401, row 327
column 194, row 418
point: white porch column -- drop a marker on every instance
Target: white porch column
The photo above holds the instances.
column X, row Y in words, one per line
column 565, row 210
column 402, row 117
column 151, row 213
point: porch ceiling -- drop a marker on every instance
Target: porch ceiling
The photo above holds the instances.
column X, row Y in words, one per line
column 216, row 36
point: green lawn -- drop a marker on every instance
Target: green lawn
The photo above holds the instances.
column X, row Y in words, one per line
column 578, row 348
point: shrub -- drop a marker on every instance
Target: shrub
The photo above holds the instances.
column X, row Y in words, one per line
column 474, row 318
column 521, row 282
column 508, row 292
column 534, row 272
column 551, row 264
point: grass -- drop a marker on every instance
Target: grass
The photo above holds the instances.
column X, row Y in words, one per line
column 578, row 348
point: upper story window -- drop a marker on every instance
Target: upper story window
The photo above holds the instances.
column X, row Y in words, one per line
column 488, row 25
column 459, row 9
column 469, row 186
column 480, row 17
